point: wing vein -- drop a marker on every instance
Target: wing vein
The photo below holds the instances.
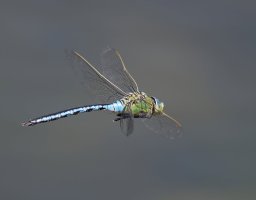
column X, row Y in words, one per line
column 120, row 91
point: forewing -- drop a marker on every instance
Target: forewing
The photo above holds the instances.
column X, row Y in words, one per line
column 114, row 69
column 96, row 84
column 164, row 125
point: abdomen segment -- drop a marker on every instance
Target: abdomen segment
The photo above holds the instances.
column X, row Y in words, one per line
column 65, row 113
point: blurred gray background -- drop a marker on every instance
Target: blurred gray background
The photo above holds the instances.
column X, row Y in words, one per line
column 198, row 57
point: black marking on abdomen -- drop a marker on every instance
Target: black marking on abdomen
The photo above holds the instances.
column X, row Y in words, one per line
column 65, row 113
column 74, row 113
column 89, row 110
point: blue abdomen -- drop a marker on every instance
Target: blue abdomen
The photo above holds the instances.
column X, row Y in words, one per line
column 115, row 107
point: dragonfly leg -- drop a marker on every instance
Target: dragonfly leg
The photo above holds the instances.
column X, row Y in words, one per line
column 126, row 115
column 143, row 115
column 117, row 119
column 121, row 116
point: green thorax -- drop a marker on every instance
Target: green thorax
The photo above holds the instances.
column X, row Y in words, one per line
column 139, row 104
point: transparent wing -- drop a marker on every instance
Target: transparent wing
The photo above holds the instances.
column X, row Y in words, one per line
column 114, row 69
column 126, row 121
column 164, row 125
column 97, row 84
column 127, row 125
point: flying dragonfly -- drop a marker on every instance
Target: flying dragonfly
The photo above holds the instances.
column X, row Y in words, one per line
column 119, row 93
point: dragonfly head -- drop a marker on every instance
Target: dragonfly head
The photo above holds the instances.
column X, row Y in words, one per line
column 159, row 105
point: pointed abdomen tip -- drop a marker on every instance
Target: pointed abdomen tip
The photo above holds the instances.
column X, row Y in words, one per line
column 26, row 123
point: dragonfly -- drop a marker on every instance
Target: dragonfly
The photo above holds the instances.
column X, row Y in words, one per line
column 119, row 93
